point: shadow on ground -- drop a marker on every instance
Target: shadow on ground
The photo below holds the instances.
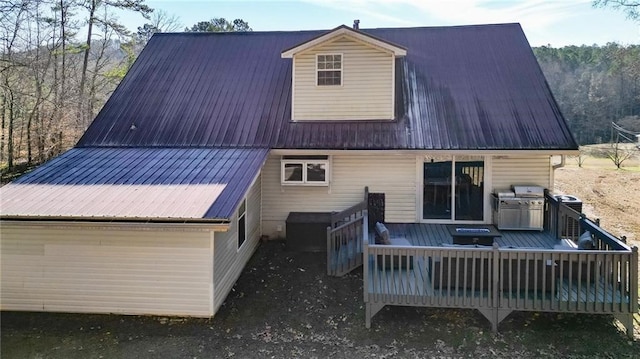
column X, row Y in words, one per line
column 285, row 306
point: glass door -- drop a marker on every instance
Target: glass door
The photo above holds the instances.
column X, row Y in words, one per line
column 453, row 188
column 437, row 188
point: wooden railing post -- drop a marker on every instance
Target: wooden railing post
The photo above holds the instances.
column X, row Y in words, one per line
column 495, row 284
column 634, row 280
column 365, row 254
column 329, row 252
column 558, row 216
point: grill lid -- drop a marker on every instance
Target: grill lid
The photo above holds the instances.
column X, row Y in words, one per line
column 528, row 191
column 502, row 194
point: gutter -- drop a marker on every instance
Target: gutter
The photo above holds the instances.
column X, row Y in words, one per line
column 66, row 222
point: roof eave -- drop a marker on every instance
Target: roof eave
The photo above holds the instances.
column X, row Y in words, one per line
column 222, row 223
column 398, row 51
column 63, row 223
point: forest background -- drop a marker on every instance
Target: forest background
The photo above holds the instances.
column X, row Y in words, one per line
column 61, row 60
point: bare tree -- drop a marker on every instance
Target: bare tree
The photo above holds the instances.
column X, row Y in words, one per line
column 618, row 153
column 630, row 7
column 92, row 6
column 161, row 21
column 10, row 37
column 580, row 158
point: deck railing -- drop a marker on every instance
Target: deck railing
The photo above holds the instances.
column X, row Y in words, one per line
column 344, row 238
column 561, row 220
column 498, row 280
column 566, row 223
column 428, row 276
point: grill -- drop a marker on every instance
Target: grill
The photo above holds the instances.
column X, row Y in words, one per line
column 521, row 208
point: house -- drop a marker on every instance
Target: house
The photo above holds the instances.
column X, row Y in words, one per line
column 213, row 139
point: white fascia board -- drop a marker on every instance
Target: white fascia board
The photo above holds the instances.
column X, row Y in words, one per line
column 397, row 51
column 422, row 152
column 67, row 224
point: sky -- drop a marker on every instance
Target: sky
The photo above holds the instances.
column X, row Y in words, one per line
column 545, row 22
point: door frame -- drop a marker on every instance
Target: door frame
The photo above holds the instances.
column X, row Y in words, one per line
column 486, row 195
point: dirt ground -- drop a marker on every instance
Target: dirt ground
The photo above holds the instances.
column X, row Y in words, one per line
column 610, row 194
column 285, row 306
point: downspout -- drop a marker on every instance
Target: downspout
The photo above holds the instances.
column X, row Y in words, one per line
column 553, row 171
column 561, row 164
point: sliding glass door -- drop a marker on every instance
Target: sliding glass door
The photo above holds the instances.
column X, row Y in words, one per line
column 453, row 188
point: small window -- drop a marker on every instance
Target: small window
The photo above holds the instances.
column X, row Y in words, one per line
column 312, row 170
column 329, row 70
column 242, row 223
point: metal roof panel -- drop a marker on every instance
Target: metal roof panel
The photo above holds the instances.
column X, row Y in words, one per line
column 135, row 183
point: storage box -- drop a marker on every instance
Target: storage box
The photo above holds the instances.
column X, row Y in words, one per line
column 307, row 231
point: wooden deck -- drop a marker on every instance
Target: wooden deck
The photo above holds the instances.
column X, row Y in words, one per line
column 523, row 270
column 437, row 235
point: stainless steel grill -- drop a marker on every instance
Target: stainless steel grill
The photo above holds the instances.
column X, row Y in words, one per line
column 521, row 208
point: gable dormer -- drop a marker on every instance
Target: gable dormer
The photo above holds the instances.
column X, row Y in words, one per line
column 343, row 75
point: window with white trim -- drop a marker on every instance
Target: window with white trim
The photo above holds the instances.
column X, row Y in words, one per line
column 242, row 223
column 305, row 170
column 329, row 69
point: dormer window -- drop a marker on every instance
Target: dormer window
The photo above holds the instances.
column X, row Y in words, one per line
column 329, row 69
column 322, row 91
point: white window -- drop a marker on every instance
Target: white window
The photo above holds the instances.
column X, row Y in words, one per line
column 329, row 69
column 305, row 170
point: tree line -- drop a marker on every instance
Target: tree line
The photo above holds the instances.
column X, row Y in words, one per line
column 594, row 86
column 61, row 59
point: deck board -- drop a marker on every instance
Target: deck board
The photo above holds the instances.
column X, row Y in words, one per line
column 424, row 234
column 580, row 293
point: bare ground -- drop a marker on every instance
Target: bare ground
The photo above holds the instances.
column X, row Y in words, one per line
column 610, row 194
column 285, row 306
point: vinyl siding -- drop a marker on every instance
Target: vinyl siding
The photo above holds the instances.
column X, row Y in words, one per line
column 367, row 84
column 510, row 170
column 229, row 261
column 394, row 175
column 102, row 270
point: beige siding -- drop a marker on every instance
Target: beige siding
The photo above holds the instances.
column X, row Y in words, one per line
column 106, row 270
column 510, row 170
column 366, row 91
column 395, row 175
column 229, row 261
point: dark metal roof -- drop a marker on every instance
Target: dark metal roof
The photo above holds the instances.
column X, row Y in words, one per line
column 135, row 183
column 466, row 87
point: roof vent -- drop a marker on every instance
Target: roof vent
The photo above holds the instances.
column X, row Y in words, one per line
column 356, row 24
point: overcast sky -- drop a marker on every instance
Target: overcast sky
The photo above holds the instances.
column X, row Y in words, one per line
column 554, row 22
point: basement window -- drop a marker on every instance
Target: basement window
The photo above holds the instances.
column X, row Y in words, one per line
column 305, row 170
column 329, row 69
